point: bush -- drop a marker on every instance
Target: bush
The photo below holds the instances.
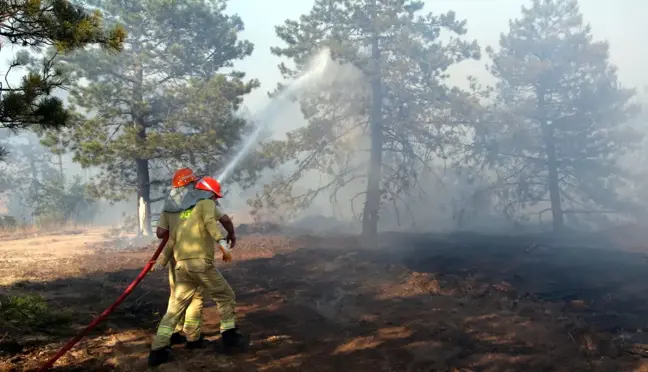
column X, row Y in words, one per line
column 29, row 312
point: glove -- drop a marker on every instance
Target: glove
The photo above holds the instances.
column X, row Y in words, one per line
column 227, row 253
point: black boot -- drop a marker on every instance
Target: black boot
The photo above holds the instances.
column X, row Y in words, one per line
column 198, row 344
column 159, row 356
column 178, row 339
column 234, row 342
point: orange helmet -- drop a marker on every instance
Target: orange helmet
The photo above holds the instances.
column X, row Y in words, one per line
column 182, row 177
column 210, row 184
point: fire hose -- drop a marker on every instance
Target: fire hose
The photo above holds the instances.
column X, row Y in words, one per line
column 106, row 312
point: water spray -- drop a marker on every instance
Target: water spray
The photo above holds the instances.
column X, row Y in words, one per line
column 316, row 68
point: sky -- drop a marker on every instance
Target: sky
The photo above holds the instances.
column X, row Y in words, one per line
column 617, row 21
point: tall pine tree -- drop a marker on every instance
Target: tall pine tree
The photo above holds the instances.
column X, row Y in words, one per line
column 163, row 102
column 562, row 116
column 404, row 108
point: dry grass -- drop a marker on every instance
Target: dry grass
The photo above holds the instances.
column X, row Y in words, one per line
column 46, row 256
column 265, row 247
column 27, row 231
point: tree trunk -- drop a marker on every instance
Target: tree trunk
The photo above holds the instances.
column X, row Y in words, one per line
column 33, row 168
column 372, row 203
column 554, row 185
column 61, row 175
column 143, row 198
column 552, row 167
column 142, row 165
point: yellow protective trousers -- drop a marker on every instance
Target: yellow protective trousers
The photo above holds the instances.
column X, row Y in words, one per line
column 190, row 275
column 190, row 320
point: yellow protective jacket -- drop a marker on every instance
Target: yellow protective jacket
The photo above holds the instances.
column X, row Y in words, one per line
column 197, row 232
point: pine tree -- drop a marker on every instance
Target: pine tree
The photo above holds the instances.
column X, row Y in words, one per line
column 404, row 108
column 161, row 103
column 40, row 23
column 562, row 115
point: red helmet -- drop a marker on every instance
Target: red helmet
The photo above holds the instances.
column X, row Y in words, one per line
column 210, row 184
column 182, row 177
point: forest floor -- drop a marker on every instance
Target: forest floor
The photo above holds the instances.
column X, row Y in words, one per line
column 413, row 302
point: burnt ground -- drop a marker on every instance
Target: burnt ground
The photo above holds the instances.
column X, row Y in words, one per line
column 408, row 303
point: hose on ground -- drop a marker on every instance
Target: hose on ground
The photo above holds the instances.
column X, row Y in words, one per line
column 108, row 311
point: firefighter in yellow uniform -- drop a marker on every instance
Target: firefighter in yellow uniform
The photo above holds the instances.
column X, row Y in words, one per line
column 190, row 321
column 194, row 252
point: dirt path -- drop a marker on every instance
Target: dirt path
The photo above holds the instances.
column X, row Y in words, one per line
column 435, row 304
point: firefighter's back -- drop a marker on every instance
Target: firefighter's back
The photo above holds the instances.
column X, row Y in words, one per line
column 193, row 240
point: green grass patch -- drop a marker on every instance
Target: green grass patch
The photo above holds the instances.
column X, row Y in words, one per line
column 30, row 312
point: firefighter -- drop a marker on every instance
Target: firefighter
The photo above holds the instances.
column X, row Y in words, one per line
column 193, row 252
column 190, row 321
